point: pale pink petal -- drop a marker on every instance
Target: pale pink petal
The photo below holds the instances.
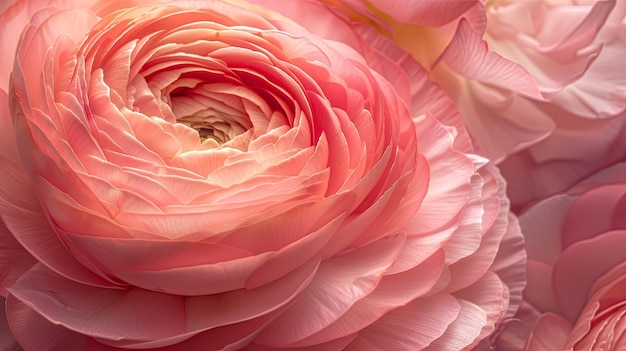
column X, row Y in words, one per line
column 485, row 66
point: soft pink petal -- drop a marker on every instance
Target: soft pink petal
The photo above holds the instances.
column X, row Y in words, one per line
column 592, row 213
column 136, row 316
column 515, row 331
column 510, row 264
column 450, row 171
column 14, row 259
column 575, row 271
column 338, row 284
column 394, row 291
column 23, row 215
column 411, row 327
column 575, row 150
column 7, row 340
column 542, row 225
column 539, row 291
column 15, row 15
column 485, row 66
column 24, row 321
column 549, row 334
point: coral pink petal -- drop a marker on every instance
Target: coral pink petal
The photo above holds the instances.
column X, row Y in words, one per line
column 549, row 334
column 166, row 266
column 515, row 331
column 319, row 19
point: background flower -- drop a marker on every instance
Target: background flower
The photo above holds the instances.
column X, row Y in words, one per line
column 546, row 103
column 579, row 72
column 216, row 176
column 576, row 278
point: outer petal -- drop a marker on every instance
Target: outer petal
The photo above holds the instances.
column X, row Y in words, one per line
column 492, row 93
column 550, row 333
column 7, row 340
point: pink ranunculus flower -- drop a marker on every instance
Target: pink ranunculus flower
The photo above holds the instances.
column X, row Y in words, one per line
column 575, row 51
column 215, row 175
column 576, row 294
